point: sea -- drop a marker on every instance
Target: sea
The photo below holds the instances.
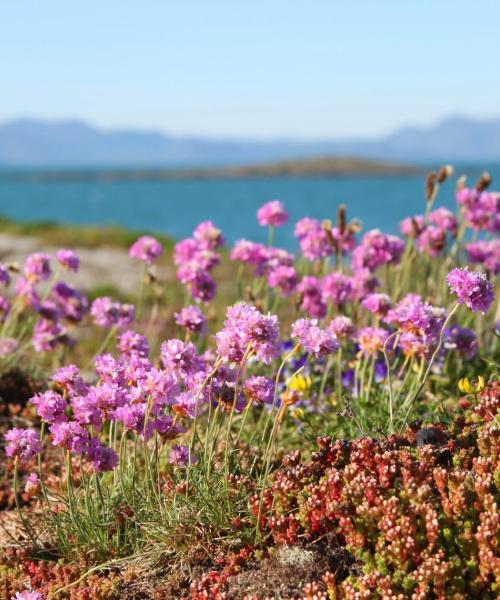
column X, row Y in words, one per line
column 175, row 207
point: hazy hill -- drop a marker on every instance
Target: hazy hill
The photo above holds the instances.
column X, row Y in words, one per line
column 29, row 142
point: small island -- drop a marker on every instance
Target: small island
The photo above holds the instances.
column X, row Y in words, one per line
column 322, row 166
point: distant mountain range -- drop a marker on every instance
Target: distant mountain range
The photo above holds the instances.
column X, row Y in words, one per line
column 32, row 143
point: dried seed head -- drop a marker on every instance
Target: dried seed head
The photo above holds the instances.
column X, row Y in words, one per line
column 444, row 173
column 430, row 185
column 483, row 182
column 461, row 181
column 341, row 218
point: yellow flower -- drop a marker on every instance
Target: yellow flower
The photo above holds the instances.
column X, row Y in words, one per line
column 299, row 383
column 467, row 387
column 298, row 414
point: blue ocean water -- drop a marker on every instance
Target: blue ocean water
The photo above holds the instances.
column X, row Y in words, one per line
column 175, row 207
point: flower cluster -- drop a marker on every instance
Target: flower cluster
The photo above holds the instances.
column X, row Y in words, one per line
column 195, row 257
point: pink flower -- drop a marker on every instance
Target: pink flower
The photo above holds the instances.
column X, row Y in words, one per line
column 342, row 327
column 272, row 214
column 284, row 278
column 372, row 339
column 313, row 339
column 444, row 219
column 336, row 288
column 471, row 288
column 68, row 259
column 208, row 236
column 431, row 241
column 312, row 302
column 485, row 252
column 412, row 227
column 37, row 267
column 146, row 248
column 191, row 318
column 180, row 456
column 377, row 304
column 22, row 443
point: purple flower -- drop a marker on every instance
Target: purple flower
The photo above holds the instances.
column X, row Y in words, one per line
column 377, row 249
column 22, row 443
column 336, row 288
column 461, row 339
column 378, row 304
column 110, row 369
column 72, row 304
column 372, row 339
column 180, row 456
column 412, row 227
column 4, row 274
column 27, row 595
column 50, row 407
column 37, row 267
column 185, row 251
column 259, row 389
column 431, row 241
column 146, row 248
column 132, row 416
column 26, row 291
column 208, row 236
column 245, row 329
column 341, row 327
column 471, row 288
column 102, row 457
column 306, row 226
column 68, row 259
column 47, row 335
column 202, row 286
column 249, row 252
column 272, row 214
column 284, row 278
column 180, row 358
column 444, row 219
column 416, row 317
column 71, row 436
column 191, row 318
column 363, row 282
column 86, row 410
column 312, row 302
column 131, row 343
column 316, row 244
column 487, row 253
column 313, row 339
column 4, row 308
column 107, row 313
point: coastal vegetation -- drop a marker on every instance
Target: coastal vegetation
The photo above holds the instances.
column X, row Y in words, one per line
column 250, row 423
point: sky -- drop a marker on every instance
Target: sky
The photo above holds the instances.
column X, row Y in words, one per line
column 254, row 68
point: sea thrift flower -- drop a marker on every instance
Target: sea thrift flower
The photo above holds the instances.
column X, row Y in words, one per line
column 306, row 226
column 146, row 248
column 363, row 282
column 4, row 275
column 471, row 288
column 335, row 288
column 191, row 318
column 248, row 252
column 377, row 249
column 259, row 389
column 71, row 436
column 316, row 245
column 461, row 339
column 102, row 457
column 412, row 227
column 180, row 456
column 4, row 308
column 312, row 301
column 107, row 313
column 32, row 486
column 185, row 251
column 245, row 329
column 416, row 317
column 372, row 339
column 68, row 259
column 50, row 406
column 341, row 327
column 22, row 443
column 47, row 335
column 70, row 380
column 180, row 358
column 37, row 267
column 378, row 304
column 26, row 291
column 86, row 410
column 208, row 236
column 272, row 214
column 444, row 219
column 27, row 595
column 284, row 278
column 313, row 339
column 431, row 241
column 487, row 253
column 72, row 304
column 202, row 286
column 131, row 343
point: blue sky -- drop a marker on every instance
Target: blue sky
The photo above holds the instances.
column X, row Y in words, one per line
column 260, row 69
